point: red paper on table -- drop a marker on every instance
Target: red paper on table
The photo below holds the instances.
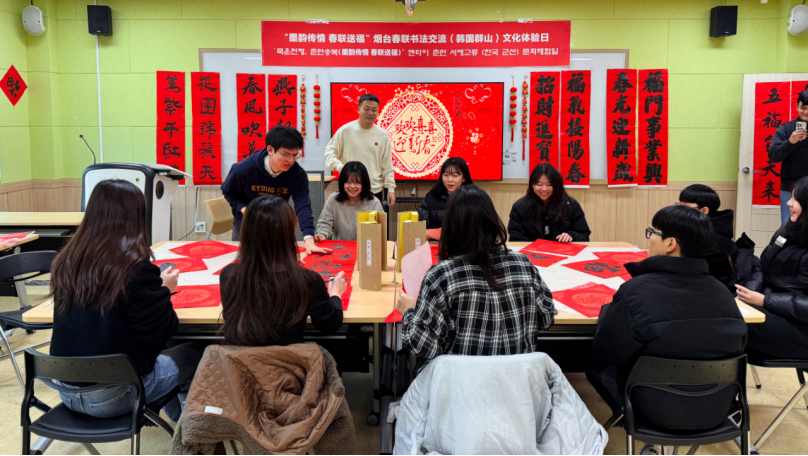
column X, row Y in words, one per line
column 196, row 296
column 599, row 268
column 626, row 277
column 219, row 272
column 340, row 250
column 545, row 104
column 621, row 127
column 171, row 119
column 771, row 111
column 207, row 128
column 328, row 268
column 190, row 264
column 12, row 238
column 204, row 249
column 434, row 249
column 560, row 248
column 796, row 88
column 622, row 257
column 653, row 128
column 543, row 260
column 300, row 249
column 346, row 298
column 282, row 105
column 576, row 92
column 13, row 85
column 394, row 317
column 433, row 234
column 586, row 299
column 251, row 109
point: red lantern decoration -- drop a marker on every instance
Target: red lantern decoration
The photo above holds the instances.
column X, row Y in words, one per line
column 513, row 106
column 303, row 114
column 524, row 115
column 317, row 103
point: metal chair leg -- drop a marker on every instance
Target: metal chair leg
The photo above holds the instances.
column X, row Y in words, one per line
column 745, row 440
column 612, row 421
column 801, row 378
column 90, row 449
column 136, row 444
column 693, row 449
column 675, row 450
column 629, row 444
column 13, row 360
column 152, row 416
column 234, row 447
column 781, row 416
column 758, row 385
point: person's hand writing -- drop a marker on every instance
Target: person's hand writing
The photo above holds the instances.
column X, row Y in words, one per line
column 404, row 302
column 798, row 136
column 564, row 237
column 170, row 278
column 337, row 286
column 750, row 297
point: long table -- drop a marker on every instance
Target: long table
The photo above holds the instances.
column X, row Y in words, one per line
column 52, row 228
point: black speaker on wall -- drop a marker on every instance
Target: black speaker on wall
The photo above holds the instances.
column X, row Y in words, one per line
column 99, row 19
column 723, row 21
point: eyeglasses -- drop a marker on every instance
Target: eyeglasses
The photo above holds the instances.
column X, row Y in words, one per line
column 650, row 231
column 290, row 157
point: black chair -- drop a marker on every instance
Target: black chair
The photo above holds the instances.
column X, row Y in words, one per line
column 30, row 265
column 61, row 423
column 662, row 374
column 802, row 368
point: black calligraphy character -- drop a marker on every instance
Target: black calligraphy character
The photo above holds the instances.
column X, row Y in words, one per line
column 657, row 100
column 325, row 268
column 772, row 120
column 537, row 257
column 171, row 105
column 770, row 169
column 652, row 146
column 169, row 151
column 206, row 151
column 574, row 150
column 281, row 124
column 653, row 171
column 207, row 128
column 283, row 85
column 623, row 172
column 13, row 86
column 621, row 105
column 622, row 83
column 769, row 192
column 207, row 173
column 621, row 147
column 576, row 106
column 171, row 79
column 543, row 148
column 251, row 130
column 654, row 126
column 768, row 141
column 601, row 267
column 545, row 85
column 543, row 130
column 544, row 107
column 654, row 83
column 576, row 83
column 619, row 127
column 250, row 108
column 285, row 106
column 575, row 127
column 204, row 83
column 251, row 146
column 575, row 175
column 251, row 86
column 774, row 97
column 170, row 128
column 207, row 106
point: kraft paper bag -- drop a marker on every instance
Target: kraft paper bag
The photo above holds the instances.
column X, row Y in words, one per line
column 411, row 235
column 369, row 248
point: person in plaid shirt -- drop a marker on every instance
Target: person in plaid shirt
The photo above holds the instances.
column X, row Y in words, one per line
column 481, row 298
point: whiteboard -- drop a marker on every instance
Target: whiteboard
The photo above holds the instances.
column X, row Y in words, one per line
column 230, row 62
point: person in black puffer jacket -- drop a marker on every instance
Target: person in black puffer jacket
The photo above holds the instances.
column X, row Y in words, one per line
column 546, row 211
column 453, row 174
column 779, row 287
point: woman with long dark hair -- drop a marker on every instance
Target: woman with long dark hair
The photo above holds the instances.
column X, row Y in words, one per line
column 266, row 294
column 546, row 211
column 779, row 287
column 454, row 173
column 481, row 298
column 109, row 298
column 338, row 218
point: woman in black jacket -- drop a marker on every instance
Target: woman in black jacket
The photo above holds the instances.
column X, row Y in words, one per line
column 546, row 211
column 453, row 174
column 779, row 287
column 109, row 299
column 266, row 294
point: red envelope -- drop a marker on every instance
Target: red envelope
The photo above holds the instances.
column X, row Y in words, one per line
column 559, row 248
column 587, row 299
column 205, row 249
column 346, row 298
column 599, row 268
column 190, row 264
column 622, row 257
column 394, row 317
column 196, row 296
column 543, row 260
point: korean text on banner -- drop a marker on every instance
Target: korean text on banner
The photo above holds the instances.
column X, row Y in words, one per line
column 171, row 119
column 207, row 128
column 576, row 91
column 545, row 102
column 653, row 128
column 771, row 110
column 621, row 127
column 252, row 117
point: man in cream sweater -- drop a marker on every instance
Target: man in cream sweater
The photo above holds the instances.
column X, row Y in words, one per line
column 365, row 142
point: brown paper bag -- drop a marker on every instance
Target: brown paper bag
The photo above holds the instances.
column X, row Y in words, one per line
column 411, row 235
column 369, row 249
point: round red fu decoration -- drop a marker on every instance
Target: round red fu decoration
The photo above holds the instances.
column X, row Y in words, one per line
column 13, row 85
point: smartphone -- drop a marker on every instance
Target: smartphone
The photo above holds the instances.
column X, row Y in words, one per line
column 800, row 125
column 165, row 266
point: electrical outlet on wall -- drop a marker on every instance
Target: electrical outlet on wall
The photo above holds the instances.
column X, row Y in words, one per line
column 200, row 227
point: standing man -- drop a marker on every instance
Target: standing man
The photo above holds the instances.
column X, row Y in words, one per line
column 790, row 148
column 273, row 171
column 365, row 142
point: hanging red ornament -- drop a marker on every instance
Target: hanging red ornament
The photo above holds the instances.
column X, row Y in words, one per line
column 513, row 106
column 303, row 114
column 524, row 115
column 317, row 103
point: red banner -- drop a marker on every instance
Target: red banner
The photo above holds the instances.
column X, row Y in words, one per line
column 427, row 44
column 207, row 128
column 545, row 104
column 252, row 117
column 771, row 110
column 282, row 105
column 171, row 119
column 653, row 128
column 621, row 127
column 796, row 88
column 576, row 92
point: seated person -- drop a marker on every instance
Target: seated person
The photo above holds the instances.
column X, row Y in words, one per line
column 109, row 298
column 546, row 211
column 478, row 283
column 338, row 219
column 266, row 294
column 454, row 173
column 723, row 253
column 671, row 308
column 779, row 287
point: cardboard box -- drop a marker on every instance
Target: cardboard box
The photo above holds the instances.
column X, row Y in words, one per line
column 411, row 235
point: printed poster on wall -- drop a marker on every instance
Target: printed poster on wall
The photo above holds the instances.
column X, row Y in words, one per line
column 207, row 128
column 171, row 119
column 545, row 104
column 576, row 89
column 771, row 110
column 252, row 117
column 282, row 106
column 621, row 127
column 653, row 128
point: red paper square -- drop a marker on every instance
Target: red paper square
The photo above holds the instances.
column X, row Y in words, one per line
column 394, row 317
column 346, row 298
column 559, row 248
column 196, row 296
column 13, row 85
column 599, row 268
column 205, row 249
column 543, row 260
column 587, row 299
column 190, row 264
column 622, row 257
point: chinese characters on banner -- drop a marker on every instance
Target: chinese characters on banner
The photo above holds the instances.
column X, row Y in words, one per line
column 653, row 128
column 544, row 108
column 621, row 126
column 796, row 88
column 575, row 96
column 771, row 110
column 207, row 128
column 252, row 116
column 434, row 44
column 282, row 106
column 13, row 85
column 171, row 119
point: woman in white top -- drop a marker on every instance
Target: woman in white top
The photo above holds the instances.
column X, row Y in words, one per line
column 338, row 219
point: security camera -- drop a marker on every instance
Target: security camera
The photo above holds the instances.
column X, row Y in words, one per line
column 798, row 21
column 32, row 20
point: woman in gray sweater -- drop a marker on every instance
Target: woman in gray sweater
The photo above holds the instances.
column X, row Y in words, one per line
column 338, row 219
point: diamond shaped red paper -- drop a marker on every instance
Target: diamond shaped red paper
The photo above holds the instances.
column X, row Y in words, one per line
column 205, row 249
column 196, row 296
column 586, row 299
column 13, row 85
column 190, row 264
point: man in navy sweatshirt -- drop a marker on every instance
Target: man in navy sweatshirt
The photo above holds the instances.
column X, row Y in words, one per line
column 273, row 171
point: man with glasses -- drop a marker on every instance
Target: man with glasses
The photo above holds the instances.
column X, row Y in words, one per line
column 273, row 171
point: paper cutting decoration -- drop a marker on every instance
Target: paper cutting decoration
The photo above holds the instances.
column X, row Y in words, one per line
column 599, row 268
column 576, row 92
column 251, row 109
column 196, row 296
column 652, row 145
column 190, row 264
column 204, row 249
column 622, row 257
column 207, row 128
column 282, row 106
column 621, row 127
column 171, row 119
column 13, row 85
column 586, row 299
column 545, row 104
column 543, row 260
column 560, row 248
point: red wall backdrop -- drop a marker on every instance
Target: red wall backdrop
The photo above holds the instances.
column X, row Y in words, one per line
column 429, row 123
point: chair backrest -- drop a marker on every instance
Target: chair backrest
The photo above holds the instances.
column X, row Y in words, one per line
column 106, row 370
column 221, row 214
column 26, row 263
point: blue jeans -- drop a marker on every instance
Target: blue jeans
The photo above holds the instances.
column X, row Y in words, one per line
column 784, row 212
column 174, row 366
